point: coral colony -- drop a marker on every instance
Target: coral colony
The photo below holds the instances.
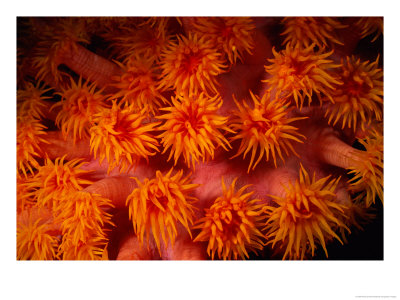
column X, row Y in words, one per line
column 197, row 138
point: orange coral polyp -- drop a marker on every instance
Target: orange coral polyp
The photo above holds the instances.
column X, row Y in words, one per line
column 30, row 133
column 232, row 36
column 231, row 225
column 55, row 180
column 190, row 66
column 24, row 200
column 308, row 211
column 309, row 30
column 120, row 135
column 148, row 40
column 138, row 86
column 49, row 53
column 36, row 236
column 31, row 100
column 299, row 72
column 94, row 248
column 368, row 169
column 369, row 26
column 83, row 215
column 82, row 219
column 192, row 128
column 359, row 100
column 160, row 204
column 264, row 128
column 78, row 105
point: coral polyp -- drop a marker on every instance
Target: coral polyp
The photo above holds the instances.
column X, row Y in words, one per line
column 54, row 180
column 298, row 72
column 119, row 135
column 370, row 26
column 308, row 212
column 79, row 103
column 92, row 249
column 24, row 200
column 31, row 100
column 160, row 204
column 36, row 236
column 82, row 222
column 190, row 66
column 66, row 34
column 146, row 39
column 138, row 85
column 359, row 99
column 308, row 30
column 264, row 129
column 30, row 133
column 233, row 36
column 231, row 225
column 367, row 168
column 83, row 215
column 193, row 128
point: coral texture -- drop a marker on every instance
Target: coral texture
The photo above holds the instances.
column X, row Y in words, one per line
column 198, row 138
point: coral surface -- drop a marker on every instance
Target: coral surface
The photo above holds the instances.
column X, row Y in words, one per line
column 195, row 138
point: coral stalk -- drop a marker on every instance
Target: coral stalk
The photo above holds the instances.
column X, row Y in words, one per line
column 91, row 66
column 116, row 188
column 367, row 166
column 132, row 249
column 56, row 146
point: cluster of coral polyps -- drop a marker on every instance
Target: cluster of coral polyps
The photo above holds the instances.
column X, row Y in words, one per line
column 196, row 138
